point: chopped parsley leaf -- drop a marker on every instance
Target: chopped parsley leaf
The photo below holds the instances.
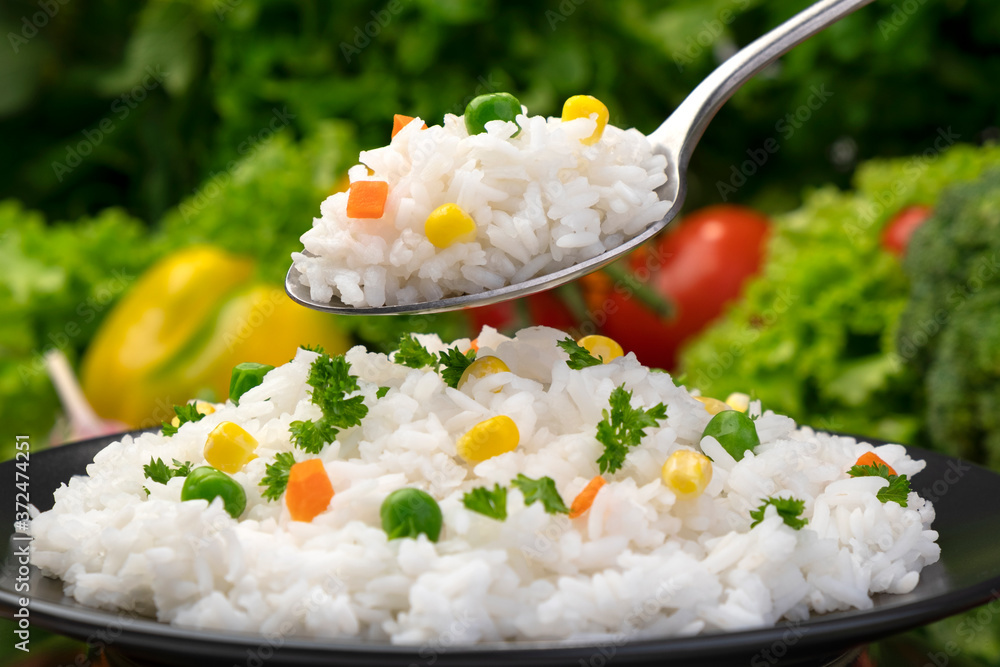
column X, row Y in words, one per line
column 312, row 436
column 331, row 380
column 160, row 472
column 543, row 489
column 579, row 356
column 276, row 475
column 624, row 427
column 789, row 510
column 185, row 413
column 874, row 470
column 414, row 355
column 488, row 503
column 453, row 364
column 899, row 486
column 897, row 491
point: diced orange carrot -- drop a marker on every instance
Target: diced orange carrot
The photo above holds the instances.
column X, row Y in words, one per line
column 309, row 490
column 585, row 498
column 399, row 121
column 366, row 199
column 870, row 459
column 474, row 345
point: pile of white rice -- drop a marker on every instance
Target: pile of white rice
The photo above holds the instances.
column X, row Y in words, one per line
column 640, row 563
column 542, row 201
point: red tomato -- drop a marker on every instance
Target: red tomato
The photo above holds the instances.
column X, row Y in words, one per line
column 698, row 266
column 496, row 315
column 896, row 235
column 548, row 310
column 544, row 308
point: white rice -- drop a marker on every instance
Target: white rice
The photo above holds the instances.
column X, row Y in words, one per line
column 641, row 562
column 542, row 201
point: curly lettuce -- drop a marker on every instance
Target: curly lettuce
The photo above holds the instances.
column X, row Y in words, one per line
column 59, row 281
column 815, row 335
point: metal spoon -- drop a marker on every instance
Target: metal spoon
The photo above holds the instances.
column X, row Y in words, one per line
column 676, row 138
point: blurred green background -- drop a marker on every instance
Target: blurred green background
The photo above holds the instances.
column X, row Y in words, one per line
column 134, row 130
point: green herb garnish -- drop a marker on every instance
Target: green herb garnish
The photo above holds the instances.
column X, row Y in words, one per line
column 160, row 472
column 874, row 470
column 453, row 364
column 899, row 486
column 789, row 510
column 185, row 413
column 579, row 356
column 312, row 436
column 276, row 475
column 543, row 489
column 488, row 503
column 382, row 391
column 624, row 427
column 897, row 491
column 414, row 355
column 331, row 380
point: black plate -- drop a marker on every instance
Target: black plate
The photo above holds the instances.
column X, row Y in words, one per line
column 968, row 574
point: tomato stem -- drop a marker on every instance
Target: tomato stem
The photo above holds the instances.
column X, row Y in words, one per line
column 522, row 315
column 571, row 295
column 646, row 295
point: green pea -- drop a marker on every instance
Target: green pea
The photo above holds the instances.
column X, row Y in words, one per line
column 245, row 377
column 494, row 106
column 208, row 484
column 735, row 432
column 409, row 512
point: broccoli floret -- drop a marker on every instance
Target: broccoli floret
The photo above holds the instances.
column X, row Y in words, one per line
column 950, row 331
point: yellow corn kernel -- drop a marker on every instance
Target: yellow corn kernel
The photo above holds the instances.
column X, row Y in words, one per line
column 713, row 406
column 203, row 407
column 448, row 224
column 584, row 106
column 738, row 401
column 601, row 346
column 481, row 367
column 687, row 473
column 229, row 447
column 489, row 438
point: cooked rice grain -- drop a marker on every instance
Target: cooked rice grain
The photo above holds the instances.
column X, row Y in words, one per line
column 542, row 201
column 639, row 562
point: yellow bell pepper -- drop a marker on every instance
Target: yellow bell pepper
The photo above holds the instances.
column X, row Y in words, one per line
column 181, row 328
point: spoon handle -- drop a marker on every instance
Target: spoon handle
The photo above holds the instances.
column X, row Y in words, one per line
column 682, row 130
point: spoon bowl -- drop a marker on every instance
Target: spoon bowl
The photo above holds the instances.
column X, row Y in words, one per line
column 673, row 190
column 676, row 139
